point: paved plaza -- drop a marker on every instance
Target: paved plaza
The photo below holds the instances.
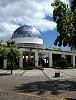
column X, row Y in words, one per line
column 37, row 84
column 48, row 72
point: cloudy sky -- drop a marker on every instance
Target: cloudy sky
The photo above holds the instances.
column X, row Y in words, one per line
column 37, row 13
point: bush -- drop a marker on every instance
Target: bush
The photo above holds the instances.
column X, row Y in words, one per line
column 40, row 68
column 29, row 65
column 62, row 63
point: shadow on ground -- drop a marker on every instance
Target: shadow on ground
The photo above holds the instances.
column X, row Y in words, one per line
column 4, row 74
column 55, row 87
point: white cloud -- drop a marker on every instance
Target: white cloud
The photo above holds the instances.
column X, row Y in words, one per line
column 19, row 12
column 65, row 1
column 6, row 30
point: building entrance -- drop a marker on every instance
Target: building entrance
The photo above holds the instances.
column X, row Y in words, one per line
column 28, row 60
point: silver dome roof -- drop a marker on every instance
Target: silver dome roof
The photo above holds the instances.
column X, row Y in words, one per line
column 26, row 31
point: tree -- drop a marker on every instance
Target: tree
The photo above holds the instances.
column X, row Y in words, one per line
column 3, row 49
column 73, row 4
column 73, row 8
column 9, row 51
column 64, row 17
column 13, row 53
column 3, row 52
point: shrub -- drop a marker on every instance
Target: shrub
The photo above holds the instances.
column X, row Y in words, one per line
column 29, row 65
column 62, row 63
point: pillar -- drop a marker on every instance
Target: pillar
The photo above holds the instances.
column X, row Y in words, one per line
column 50, row 60
column 36, row 58
column 63, row 55
column 5, row 64
column 40, row 59
column 74, row 60
column 46, row 60
column 21, row 60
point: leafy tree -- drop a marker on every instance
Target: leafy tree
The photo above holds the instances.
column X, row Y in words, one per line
column 9, row 51
column 73, row 8
column 2, row 53
column 73, row 4
column 13, row 54
column 64, row 18
column 3, row 50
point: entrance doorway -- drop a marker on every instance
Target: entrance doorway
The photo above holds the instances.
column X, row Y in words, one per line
column 28, row 60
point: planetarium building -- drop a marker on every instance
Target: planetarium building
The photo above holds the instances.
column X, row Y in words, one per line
column 29, row 40
column 27, row 35
column 33, row 50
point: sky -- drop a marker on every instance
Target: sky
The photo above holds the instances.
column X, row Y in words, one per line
column 37, row 13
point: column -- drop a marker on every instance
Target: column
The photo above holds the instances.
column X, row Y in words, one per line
column 50, row 60
column 21, row 60
column 74, row 60
column 46, row 60
column 63, row 55
column 5, row 64
column 36, row 58
column 40, row 59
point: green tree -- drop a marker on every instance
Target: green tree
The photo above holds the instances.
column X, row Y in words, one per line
column 73, row 4
column 13, row 54
column 64, row 17
column 73, row 8
column 3, row 52
column 1, row 49
column 9, row 51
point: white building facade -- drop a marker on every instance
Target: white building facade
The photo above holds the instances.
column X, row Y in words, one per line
column 31, row 47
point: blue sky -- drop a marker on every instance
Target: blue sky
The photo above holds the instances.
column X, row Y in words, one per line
column 49, row 38
column 36, row 13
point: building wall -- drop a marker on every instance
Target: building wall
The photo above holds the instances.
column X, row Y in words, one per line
column 28, row 40
column 48, row 53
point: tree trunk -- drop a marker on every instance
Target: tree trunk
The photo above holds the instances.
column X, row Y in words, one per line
column 11, row 66
column 11, row 70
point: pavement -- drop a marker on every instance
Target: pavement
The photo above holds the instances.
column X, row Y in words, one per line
column 48, row 72
column 37, row 84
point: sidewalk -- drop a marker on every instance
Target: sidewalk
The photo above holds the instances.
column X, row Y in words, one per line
column 48, row 72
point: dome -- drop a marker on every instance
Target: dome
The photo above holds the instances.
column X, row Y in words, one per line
column 26, row 31
column 27, row 35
